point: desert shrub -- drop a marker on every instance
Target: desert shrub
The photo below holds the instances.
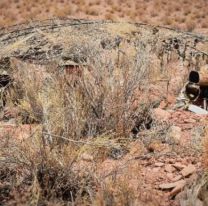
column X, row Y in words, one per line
column 78, row 109
column 97, row 100
column 106, row 97
column 31, row 174
column 122, row 195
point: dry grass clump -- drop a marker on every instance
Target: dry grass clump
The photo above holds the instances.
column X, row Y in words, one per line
column 32, row 174
column 35, row 175
column 115, row 193
column 73, row 106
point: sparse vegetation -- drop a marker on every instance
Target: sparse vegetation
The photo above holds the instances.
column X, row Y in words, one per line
column 94, row 107
column 78, row 120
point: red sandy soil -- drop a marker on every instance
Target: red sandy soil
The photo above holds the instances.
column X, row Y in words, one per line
column 148, row 167
column 182, row 14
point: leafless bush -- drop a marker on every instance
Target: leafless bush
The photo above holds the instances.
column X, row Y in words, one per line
column 98, row 100
column 31, row 174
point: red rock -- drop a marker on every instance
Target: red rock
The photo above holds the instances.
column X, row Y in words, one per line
column 156, row 169
column 187, row 126
column 168, row 186
column 190, row 169
column 170, row 176
column 159, row 164
column 178, row 188
column 178, row 166
column 177, row 178
column 169, row 168
column 189, row 120
column 170, row 160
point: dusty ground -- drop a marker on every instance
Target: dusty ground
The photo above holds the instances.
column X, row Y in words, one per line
column 157, row 169
column 183, row 14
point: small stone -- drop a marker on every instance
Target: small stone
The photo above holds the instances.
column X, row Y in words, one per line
column 159, row 164
column 179, row 166
column 168, row 186
column 189, row 120
column 193, row 178
column 170, row 176
column 178, row 188
column 156, row 169
column 187, row 126
column 169, row 168
column 170, row 160
column 177, row 178
column 190, row 169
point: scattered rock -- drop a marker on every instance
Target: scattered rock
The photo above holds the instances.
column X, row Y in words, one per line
column 156, row 169
column 179, row 166
column 189, row 120
column 192, row 178
column 170, row 160
column 168, row 186
column 190, row 169
column 178, row 188
column 177, row 178
column 170, row 176
column 169, row 168
column 159, row 164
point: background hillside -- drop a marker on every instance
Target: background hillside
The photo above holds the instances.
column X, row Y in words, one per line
column 182, row 14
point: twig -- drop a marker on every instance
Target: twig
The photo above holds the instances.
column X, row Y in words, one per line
column 78, row 141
